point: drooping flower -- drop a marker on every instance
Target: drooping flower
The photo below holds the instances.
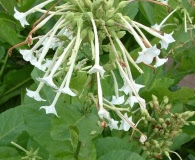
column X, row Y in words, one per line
column 113, row 124
column 166, row 39
column 131, row 100
column 67, row 90
column 142, row 139
column 50, row 109
column 146, row 56
column 27, row 54
column 103, row 113
column 124, row 124
column 35, row 95
column 117, row 100
column 160, row 61
column 22, row 16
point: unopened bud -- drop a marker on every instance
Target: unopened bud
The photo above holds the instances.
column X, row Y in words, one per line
column 192, row 122
column 121, row 34
column 165, row 99
column 69, row 16
column 88, row 3
column 110, row 13
column 161, row 120
column 91, row 35
column 168, row 107
column 84, row 33
column 154, row 98
column 110, row 22
column 123, row 4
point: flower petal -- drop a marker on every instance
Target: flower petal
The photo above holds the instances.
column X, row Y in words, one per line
column 97, row 68
column 117, row 100
column 50, row 109
column 21, row 17
column 48, row 80
column 67, row 90
column 34, row 94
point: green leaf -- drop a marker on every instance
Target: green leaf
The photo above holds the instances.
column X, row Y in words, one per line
column 13, row 82
column 12, row 124
column 109, row 144
column 131, row 10
column 8, row 5
column 2, row 52
column 8, row 153
column 122, row 155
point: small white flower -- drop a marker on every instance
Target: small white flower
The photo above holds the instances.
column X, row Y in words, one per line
column 21, row 17
column 117, row 100
column 142, row 139
column 160, row 61
column 131, row 100
column 27, row 54
column 103, row 113
column 34, row 94
column 97, row 68
column 126, row 89
column 67, row 90
column 147, row 55
column 47, row 63
column 156, row 27
column 113, row 124
column 48, row 80
column 124, row 124
column 164, row 1
column 166, row 39
column 50, row 109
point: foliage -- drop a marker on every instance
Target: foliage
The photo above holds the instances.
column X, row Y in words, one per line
column 78, row 132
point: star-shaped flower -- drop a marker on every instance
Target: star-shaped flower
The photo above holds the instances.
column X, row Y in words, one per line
column 103, row 113
column 166, row 39
column 113, row 124
column 21, row 17
column 67, row 90
column 131, row 100
column 50, row 109
column 97, row 68
column 124, row 124
column 48, row 80
column 34, row 94
column 147, row 55
column 117, row 100
column 160, row 61
column 27, row 54
column 142, row 139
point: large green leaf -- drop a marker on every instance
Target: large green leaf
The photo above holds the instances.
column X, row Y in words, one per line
column 8, row 5
column 8, row 153
column 122, row 155
column 12, row 124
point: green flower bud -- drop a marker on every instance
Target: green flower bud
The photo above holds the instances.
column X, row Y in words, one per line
column 192, row 122
column 168, row 107
column 144, row 148
column 79, row 22
column 151, row 104
column 100, row 12
column 69, row 16
column 176, row 20
column 91, row 35
column 164, row 125
column 110, row 4
column 123, row 4
column 168, row 143
column 84, row 33
column 110, row 13
column 147, row 144
column 121, row 34
column 148, row 153
column 154, row 98
column 88, row 3
column 110, row 22
column 156, row 130
column 165, row 99
column 96, row 4
column 161, row 120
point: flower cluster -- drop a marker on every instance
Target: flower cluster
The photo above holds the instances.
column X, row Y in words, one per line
column 86, row 22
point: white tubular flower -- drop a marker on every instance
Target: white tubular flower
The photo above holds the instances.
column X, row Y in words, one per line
column 103, row 113
column 51, row 108
column 127, row 90
column 118, row 100
column 47, row 46
column 166, row 39
column 22, row 16
column 27, row 54
column 147, row 55
column 124, row 124
column 66, row 89
column 113, row 124
column 49, row 79
column 35, row 94
column 160, row 61
column 158, row 27
column 142, row 139
column 96, row 67
column 131, row 100
column 164, row 1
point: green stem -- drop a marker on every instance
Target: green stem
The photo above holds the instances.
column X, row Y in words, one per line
column 3, row 67
column 76, row 154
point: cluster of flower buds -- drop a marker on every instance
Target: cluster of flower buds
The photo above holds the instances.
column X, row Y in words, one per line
column 86, row 22
column 164, row 126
